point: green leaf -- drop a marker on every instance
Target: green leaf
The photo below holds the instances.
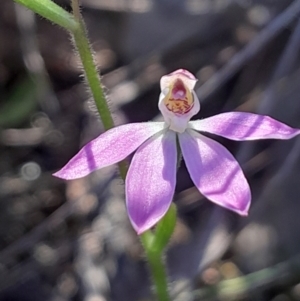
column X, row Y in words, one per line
column 165, row 229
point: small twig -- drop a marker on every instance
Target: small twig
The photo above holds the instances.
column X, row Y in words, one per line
column 76, row 10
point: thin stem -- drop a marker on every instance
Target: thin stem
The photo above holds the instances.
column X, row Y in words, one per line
column 52, row 12
column 76, row 10
column 92, row 76
column 90, row 69
column 154, row 243
column 157, row 267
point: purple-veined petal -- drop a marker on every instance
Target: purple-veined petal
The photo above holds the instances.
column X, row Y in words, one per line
column 108, row 148
column 244, row 126
column 150, row 181
column 215, row 172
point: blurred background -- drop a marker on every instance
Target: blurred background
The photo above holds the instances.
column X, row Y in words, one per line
column 64, row 241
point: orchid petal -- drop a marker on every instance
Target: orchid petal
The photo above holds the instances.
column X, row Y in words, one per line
column 109, row 148
column 244, row 126
column 215, row 172
column 150, row 181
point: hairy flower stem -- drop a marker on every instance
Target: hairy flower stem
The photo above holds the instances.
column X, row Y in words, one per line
column 155, row 244
column 92, row 76
column 157, row 267
column 90, row 69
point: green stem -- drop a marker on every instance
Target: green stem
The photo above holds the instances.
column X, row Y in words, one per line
column 52, row 12
column 155, row 244
column 90, row 69
column 92, row 76
column 157, row 267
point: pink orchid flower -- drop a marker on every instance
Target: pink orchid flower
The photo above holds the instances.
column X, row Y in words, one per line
column 151, row 178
